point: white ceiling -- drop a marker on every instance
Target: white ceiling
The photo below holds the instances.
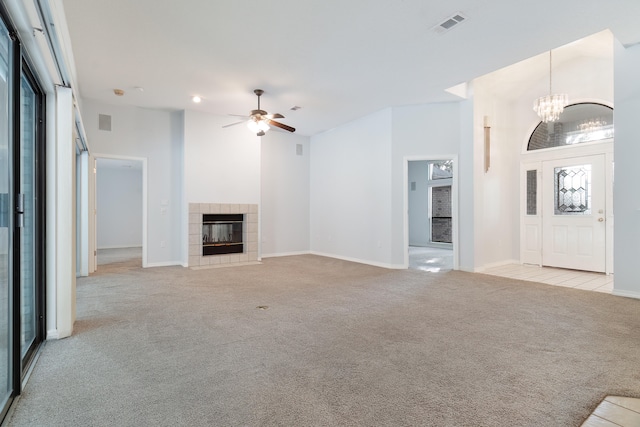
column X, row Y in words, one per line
column 337, row 59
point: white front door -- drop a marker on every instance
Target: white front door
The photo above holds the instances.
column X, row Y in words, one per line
column 573, row 219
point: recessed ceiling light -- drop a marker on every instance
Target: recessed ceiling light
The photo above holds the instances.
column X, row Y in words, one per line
column 196, row 99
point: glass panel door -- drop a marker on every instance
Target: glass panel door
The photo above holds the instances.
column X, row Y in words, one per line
column 5, row 243
column 28, row 230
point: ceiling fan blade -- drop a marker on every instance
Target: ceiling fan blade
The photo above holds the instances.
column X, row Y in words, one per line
column 274, row 116
column 280, row 125
column 233, row 124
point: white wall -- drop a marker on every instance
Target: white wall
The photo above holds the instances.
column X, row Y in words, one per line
column 285, row 194
column 466, row 205
column 496, row 192
column 627, row 173
column 220, row 165
column 119, row 205
column 350, row 206
column 424, row 131
column 419, row 203
column 157, row 136
column 357, row 179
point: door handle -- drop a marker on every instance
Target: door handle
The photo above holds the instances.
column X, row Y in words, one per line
column 20, row 210
column 600, row 219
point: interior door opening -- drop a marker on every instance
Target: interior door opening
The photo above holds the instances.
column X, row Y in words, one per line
column 431, row 214
column 119, row 211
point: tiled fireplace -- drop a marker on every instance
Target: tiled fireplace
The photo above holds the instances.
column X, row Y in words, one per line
column 222, row 234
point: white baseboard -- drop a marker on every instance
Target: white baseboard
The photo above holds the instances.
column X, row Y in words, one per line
column 362, row 261
column 164, row 264
column 623, row 293
column 52, row 334
column 280, row 254
column 121, row 247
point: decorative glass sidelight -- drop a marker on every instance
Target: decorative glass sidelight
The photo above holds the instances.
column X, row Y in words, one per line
column 532, row 192
column 572, row 189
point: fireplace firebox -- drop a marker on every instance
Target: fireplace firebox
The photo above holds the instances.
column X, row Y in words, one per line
column 222, row 234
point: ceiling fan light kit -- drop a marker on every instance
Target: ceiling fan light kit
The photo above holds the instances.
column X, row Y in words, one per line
column 257, row 125
column 259, row 121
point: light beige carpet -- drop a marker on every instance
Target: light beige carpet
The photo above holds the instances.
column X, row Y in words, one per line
column 338, row 344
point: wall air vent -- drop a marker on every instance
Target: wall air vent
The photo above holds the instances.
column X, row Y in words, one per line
column 104, row 122
column 450, row 22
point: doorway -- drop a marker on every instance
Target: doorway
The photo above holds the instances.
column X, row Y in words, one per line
column 431, row 200
column 119, row 222
column 567, row 191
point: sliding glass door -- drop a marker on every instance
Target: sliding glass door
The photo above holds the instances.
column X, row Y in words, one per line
column 27, row 230
column 21, row 216
column 6, row 388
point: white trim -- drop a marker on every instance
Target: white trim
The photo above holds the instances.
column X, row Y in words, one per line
column 281, row 254
column 360, row 261
column 82, row 205
column 627, row 294
column 164, row 264
column 53, row 334
column 454, row 205
column 568, row 151
column 120, row 247
column 145, row 217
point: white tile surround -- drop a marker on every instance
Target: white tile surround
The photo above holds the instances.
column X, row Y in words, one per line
column 249, row 230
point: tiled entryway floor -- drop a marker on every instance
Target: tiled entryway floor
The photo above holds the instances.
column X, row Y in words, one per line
column 585, row 280
column 615, row 411
column 429, row 259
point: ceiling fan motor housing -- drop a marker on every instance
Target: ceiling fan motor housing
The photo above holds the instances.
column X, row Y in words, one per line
column 258, row 113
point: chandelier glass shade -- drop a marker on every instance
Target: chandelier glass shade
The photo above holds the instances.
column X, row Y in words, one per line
column 258, row 126
column 551, row 106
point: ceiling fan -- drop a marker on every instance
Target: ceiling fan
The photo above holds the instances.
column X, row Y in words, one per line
column 259, row 121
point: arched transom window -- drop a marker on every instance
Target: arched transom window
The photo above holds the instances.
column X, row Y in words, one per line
column 585, row 122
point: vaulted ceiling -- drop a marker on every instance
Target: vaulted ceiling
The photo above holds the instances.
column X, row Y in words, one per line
column 338, row 60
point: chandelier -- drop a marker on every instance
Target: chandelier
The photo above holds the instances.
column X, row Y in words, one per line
column 592, row 125
column 551, row 106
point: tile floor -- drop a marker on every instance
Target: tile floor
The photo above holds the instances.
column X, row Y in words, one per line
column 615, row 411
column 585, row 280
column 432, row 260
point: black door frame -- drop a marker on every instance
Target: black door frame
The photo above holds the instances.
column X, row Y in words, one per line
column 19, row 68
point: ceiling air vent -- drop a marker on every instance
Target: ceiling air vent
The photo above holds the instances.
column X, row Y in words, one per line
column 450, row 22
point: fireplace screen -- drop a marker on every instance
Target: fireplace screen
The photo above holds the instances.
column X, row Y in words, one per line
column 222, row 234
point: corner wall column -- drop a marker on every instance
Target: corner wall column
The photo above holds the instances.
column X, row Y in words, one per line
column 65, row 257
